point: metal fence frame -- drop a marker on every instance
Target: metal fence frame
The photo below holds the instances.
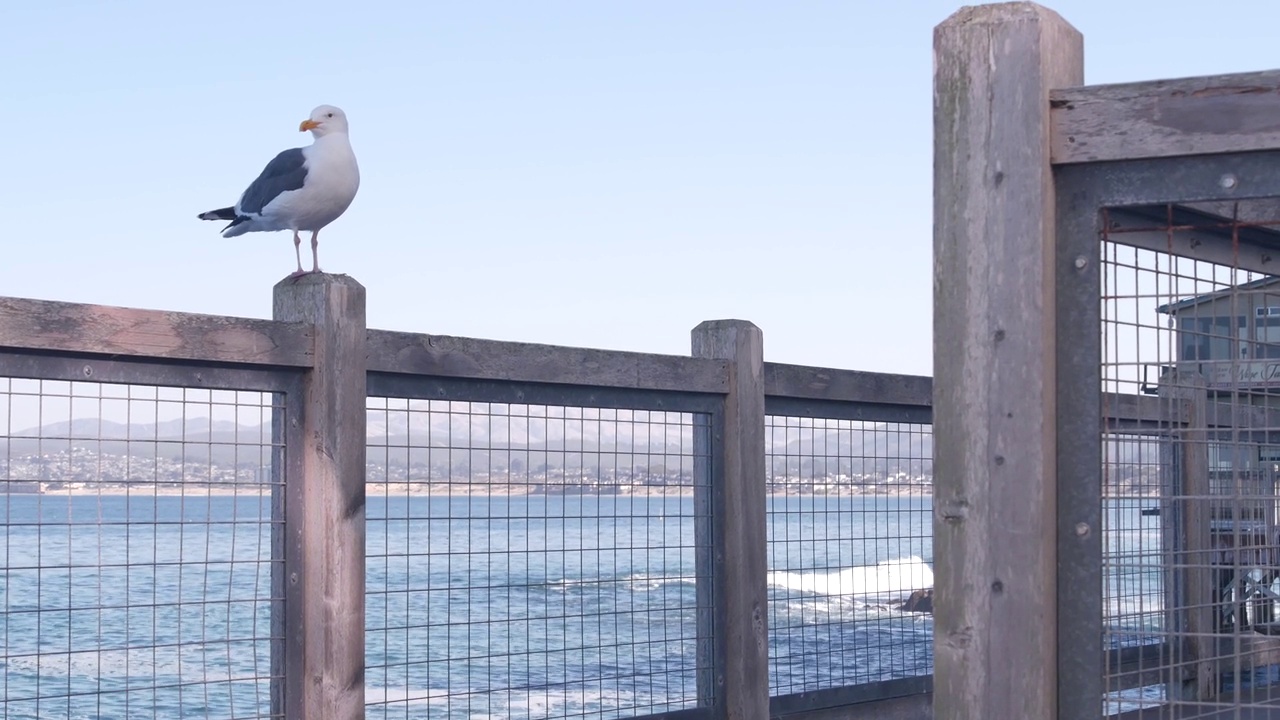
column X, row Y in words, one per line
column 319, row 355
column 1084, row 190
column 141, row 370
column 885, row 399
column 708, row 439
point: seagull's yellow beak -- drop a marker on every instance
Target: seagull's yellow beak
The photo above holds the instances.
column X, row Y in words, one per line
column 308, row 125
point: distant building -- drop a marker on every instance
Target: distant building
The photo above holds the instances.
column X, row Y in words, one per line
column 1232, row 336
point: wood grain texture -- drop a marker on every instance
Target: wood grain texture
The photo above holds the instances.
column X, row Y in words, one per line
column 325, row 503
column 910, row 707
column 1226, row 414
column 863, row 700
column 101, row 330
column 799, row 381
column 445, row 356
column 739, row 527
column 1167, row 412
column 1165, row 118
column 995, row 649
column 1145, row 410
column 1194, row 594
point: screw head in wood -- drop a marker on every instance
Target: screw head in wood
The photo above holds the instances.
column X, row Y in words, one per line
column 1228, row 182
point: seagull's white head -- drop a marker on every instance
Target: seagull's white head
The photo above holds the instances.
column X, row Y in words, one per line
column 324, row 120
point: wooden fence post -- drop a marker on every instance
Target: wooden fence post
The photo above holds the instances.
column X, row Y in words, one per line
column 325, row 503
column 1192, row 595
column 995, row 649
column 739, row 567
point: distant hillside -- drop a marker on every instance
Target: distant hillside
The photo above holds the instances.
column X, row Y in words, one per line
column 444, row 444
column 190, row 439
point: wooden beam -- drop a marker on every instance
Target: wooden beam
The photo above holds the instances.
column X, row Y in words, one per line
column 1170, row 413
column 1165, row 118
column 458, row 357
column 814, row 383
column 1157, row 412
column 324, row 560
column 739, row 524
column 48, row 326
column 995, row 647
column 1244, row 418
column 1194, row 591
column 864, row 699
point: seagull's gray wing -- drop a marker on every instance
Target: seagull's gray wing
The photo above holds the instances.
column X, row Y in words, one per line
column 287, row 171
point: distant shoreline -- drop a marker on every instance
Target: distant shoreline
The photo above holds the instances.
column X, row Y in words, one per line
column 451, row 490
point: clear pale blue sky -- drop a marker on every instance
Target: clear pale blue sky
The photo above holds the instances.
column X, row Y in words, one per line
column 601, row 174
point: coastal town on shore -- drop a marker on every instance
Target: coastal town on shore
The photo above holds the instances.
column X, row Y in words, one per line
column 85, row 471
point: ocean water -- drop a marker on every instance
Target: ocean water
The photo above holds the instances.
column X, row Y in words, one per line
column 477, row 606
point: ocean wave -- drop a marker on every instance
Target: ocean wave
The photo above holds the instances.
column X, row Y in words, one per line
column 491, row 704
column 635, row 582
column 405, row 696
column 886, row 580
column 642, row 581
column 189, row 663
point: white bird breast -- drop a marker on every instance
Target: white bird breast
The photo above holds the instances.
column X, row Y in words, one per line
column 333, row 177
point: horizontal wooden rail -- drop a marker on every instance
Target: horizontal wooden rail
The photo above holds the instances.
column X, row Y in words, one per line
column 115, row 332
column 907, row 697
column 470, row 358
column 1124, row 411
column 1138, row 413
column 459, row 357
column 1166, row 118
column 814, row 383
column 44, row 325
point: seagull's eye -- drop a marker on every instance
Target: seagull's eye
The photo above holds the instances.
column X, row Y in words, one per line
column 329, row 115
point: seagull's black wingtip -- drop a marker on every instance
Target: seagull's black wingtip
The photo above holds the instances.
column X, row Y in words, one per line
column 226, row 213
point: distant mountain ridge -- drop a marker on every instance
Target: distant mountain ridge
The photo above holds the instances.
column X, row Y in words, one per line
column 444, row 444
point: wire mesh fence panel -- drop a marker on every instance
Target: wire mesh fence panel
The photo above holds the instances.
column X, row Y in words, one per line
column 1190, row 456
column 531, row 561
column 137, row 551
column 850, row 552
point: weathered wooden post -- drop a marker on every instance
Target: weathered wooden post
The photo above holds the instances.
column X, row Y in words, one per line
column 995, row 611
column 738, row 523
column 1191, row 593
column 324, row 553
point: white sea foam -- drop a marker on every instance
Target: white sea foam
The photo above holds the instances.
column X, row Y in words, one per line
column 636, row 582
column 886, row 580
column 406, row 696
column 640, row 582
column 502, row 703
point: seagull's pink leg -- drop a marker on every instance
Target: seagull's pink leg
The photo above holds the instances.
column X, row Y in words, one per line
column 315, row 255
column 297, row 250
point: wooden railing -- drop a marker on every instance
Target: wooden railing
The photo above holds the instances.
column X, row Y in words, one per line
column 318, row 353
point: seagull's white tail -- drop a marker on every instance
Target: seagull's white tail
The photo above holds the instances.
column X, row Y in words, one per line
column 239, row 226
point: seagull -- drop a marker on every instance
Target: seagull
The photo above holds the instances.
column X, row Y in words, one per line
column 302, row 189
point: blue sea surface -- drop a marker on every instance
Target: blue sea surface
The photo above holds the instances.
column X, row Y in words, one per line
column 476, row 606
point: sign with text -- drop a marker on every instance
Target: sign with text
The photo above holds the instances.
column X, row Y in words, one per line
column 1252, row 373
